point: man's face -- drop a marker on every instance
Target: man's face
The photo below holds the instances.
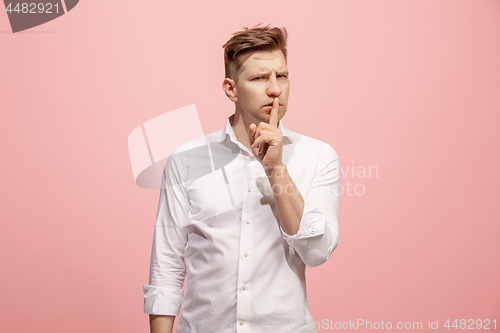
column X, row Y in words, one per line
column 262, row 77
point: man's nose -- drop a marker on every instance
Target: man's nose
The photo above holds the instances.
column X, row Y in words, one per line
column 274, row 88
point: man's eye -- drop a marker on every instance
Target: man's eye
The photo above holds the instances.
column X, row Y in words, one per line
column 258, row 78
column 282, row 76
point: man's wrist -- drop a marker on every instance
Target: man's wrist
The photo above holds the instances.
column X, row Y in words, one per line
column 276, row 171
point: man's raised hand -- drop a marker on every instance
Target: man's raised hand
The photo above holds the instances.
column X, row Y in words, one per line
column 267, row 140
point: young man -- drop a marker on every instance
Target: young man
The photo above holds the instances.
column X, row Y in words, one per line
column 242, row 234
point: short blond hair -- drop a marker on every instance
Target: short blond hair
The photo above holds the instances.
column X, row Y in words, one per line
column 252, row 39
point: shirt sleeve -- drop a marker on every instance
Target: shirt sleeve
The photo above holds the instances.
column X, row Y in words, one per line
column 163, row 294
column 318, row 233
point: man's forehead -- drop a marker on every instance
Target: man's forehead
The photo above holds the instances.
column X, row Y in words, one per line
column 264, row 61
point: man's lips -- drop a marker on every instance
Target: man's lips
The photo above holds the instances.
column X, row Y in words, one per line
column 271, row 105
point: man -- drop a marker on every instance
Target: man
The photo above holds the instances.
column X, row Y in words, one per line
column 242, row 234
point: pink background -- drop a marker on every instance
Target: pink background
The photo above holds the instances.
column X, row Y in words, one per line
column 410, row 87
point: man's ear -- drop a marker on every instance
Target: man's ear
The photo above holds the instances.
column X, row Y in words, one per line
column 229, row 87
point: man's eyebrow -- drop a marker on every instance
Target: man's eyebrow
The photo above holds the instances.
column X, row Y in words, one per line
column 260, row 72
column 265, row 72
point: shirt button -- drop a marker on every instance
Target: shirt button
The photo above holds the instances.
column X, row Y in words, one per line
column 313, row 231
column 249, row 189
column 241, row 322
column 244, row 287
column 248, row 221
column 245, row 254
column 252, row 158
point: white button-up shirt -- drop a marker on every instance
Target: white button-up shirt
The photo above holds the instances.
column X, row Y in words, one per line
column 218, row 227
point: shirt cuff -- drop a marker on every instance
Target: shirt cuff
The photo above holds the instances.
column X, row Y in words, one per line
column 312, row 224
column 162, row 301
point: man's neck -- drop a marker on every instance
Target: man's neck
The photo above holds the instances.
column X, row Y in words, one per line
column 240, row 129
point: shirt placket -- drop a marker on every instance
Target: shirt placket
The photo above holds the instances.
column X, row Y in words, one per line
column 243, row 305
